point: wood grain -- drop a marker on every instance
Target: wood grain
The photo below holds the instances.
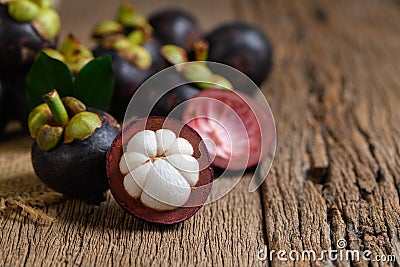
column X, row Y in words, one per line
column 336, row 172
column 227, row 232
column 335, row 95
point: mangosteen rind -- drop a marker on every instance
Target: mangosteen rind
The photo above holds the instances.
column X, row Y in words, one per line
column 244, row 47
column 19, row 43
column 77, row 169
column 176, row 27
column 129, row 77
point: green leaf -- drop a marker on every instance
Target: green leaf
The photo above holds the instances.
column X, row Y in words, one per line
column 45, row 75
column 94, row 84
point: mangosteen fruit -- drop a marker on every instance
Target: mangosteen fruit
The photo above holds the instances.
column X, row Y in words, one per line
column 17, row 105
column 74, row 54
column 131, row 66
column 244, row 47
column 177, row 27
column 187, row 73
column 3, row 110
column 71, row 142
column 26, row 27
column 159, row 170
column 134, row 52
column 239, row 131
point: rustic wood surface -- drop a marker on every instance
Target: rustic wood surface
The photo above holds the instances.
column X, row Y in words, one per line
column 335, row 95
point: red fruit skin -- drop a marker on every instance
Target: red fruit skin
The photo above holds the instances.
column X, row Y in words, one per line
column 251, row 114
column 134, row 206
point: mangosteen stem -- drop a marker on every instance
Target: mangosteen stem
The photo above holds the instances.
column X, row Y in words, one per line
column 201, row 50
column 57, row 108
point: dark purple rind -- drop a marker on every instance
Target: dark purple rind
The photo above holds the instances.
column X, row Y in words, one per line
column 15, row 36
column 244, row 47
column 176, row 27
column 128, row 77
column 134, row 206
column 77, row 169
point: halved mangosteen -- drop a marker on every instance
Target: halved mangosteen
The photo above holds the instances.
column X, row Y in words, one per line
column 159, row 170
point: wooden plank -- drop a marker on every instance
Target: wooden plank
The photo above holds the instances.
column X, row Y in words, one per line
column 335, row 96
column 228, row 232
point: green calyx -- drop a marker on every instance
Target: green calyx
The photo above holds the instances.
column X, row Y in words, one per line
column 81, row 126
column 47, row 23
column 72, row 53
column 44, row 19
column 49, row 122
column 106, row 28
column 135, row 54
column 48, row 137
column 38, row 117
column 112, row 35
column 174, row 54
column 129, row 17
column 23, row 10
column 73, row 105
column 201, row 50
column 199, row 73
column 196, row 71
column 42, row 3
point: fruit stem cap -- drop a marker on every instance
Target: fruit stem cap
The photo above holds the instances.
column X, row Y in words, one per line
column 57, row 108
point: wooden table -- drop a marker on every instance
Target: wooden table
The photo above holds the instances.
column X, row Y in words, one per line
column 335, row 95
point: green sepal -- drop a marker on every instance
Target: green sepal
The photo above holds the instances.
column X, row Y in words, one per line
column 197, row 72
column 47, row 23
column 38, row 117
column 81, row 126
column 22, row 10
column 48, row 137
column 174, row 54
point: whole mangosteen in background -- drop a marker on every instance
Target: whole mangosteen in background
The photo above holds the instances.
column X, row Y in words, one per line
column 135, row 54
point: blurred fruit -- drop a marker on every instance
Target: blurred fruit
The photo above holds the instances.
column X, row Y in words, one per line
column 244, row 47
column 176, row 27
column 135, row 54
column 23, row 35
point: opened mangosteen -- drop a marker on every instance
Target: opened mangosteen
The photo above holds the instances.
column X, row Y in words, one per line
column 177, row 27
column 71, row 141
column 244, row 47
column 135, row 54
column 239, row 131
column 159, row 170
column 26, row 27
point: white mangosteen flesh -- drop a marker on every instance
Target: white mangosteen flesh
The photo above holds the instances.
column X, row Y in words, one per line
column 159, row 169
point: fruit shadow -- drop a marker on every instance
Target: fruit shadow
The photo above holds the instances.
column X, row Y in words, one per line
column 105, row 216
column 218, row 172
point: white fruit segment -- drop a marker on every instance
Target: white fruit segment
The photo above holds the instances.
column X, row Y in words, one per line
column 143, row 142
column 165, row 138
column 180, row 146
column 131, row 160
column 135, row 180
column 166, row 186
column 159, row 169
column 187, row 166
